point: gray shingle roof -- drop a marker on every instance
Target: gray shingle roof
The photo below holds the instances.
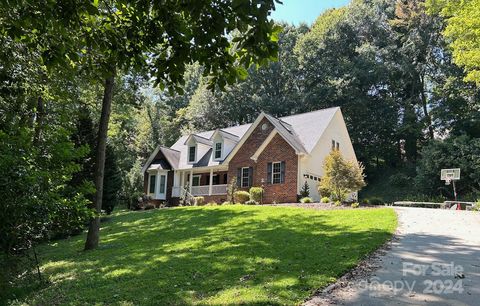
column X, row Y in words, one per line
column 301, row 131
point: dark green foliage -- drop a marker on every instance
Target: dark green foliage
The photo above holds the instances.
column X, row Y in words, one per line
column 35, row 205
column 84, row 139
column 305, row 191
column 454, row 152
column 112, row 181
column 375, row 201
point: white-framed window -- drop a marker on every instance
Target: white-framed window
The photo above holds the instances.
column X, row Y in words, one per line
column 276, row 172
column 245, row 178
column 218, row 150
column 335, row 145
column 192, row 154
column 151, row 187
column 163, row 178
column 196, row 180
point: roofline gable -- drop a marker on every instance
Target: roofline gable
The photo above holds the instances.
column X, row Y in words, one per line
column 299, row 151
column 224, row 134
column 199, row 139
column 154, row 153
column 252, row 127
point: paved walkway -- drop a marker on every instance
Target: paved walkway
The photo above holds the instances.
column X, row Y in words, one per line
column 434, row 261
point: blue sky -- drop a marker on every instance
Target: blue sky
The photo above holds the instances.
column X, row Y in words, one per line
column 296, row 11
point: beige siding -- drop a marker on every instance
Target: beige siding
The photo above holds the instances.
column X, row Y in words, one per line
column 313, row 163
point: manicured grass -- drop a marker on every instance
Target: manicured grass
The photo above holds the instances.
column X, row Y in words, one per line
column 211, row 255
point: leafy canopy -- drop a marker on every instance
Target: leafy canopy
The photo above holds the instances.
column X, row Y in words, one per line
column 162, row 36
column 463, row 32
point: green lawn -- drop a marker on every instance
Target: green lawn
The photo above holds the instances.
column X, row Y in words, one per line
column 211, row 255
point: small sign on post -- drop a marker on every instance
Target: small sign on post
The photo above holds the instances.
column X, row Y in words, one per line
column 450, row 176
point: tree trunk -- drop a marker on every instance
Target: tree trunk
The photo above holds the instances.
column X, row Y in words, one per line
column 425, row 109
column 40, row 114
column 94, row 226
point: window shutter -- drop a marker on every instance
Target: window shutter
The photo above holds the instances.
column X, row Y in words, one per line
column 282, row 172
column 250, row 176
column 239, row 177
column 269, row 173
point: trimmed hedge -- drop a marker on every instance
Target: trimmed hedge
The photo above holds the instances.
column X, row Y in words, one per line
column 241, row 196
column 306, row 200
column 256, row 194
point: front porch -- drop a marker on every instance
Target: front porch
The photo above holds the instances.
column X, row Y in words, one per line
column 211, row 183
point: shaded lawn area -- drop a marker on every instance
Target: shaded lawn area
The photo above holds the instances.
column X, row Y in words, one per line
column 211, row 255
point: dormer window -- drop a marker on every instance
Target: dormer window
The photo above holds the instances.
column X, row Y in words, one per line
column 218, row 150
column 192, row 152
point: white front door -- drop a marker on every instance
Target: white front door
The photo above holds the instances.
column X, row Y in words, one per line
column 162, row 185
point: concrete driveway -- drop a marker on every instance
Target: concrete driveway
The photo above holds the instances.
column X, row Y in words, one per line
column 434, row 260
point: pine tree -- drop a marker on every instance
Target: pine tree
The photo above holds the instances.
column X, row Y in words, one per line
column 305, row 191
column 112, row 181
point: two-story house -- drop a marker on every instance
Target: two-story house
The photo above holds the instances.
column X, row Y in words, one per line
column 278, row 154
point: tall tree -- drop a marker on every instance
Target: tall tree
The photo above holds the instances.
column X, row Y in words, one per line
column 463, row 32
column 104, row 36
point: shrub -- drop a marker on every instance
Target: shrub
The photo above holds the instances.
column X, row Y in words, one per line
column 212, row 203
column 355, row 205
column 342, row 177
column 305, row 191
column 365, row 201
column 325, row 200
column 241, row 196
column 256, row 194
column 476, row 206
column 306, row 200
column 376, row 201
column 199, row 201
column 338, row 203
column 251, row 202
column 226, row 203
column 324, row 192
column 232, row 189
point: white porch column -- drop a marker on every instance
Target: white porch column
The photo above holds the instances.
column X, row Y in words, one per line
column 191, row 180
column 157, row 184
column 210, row 183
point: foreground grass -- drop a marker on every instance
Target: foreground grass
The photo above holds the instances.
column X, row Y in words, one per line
column 211, row 255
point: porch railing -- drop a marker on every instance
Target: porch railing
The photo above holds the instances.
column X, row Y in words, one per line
column 201, row 190
column 219, row 189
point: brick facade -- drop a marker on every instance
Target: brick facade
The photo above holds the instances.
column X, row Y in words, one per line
column 276, row 151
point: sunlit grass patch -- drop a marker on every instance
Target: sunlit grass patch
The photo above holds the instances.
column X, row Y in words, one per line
column 211, row 255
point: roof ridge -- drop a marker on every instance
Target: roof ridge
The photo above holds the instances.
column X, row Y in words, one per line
column 223, row 130
column 163, row 147
column 200, row 136
column 315, row 111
